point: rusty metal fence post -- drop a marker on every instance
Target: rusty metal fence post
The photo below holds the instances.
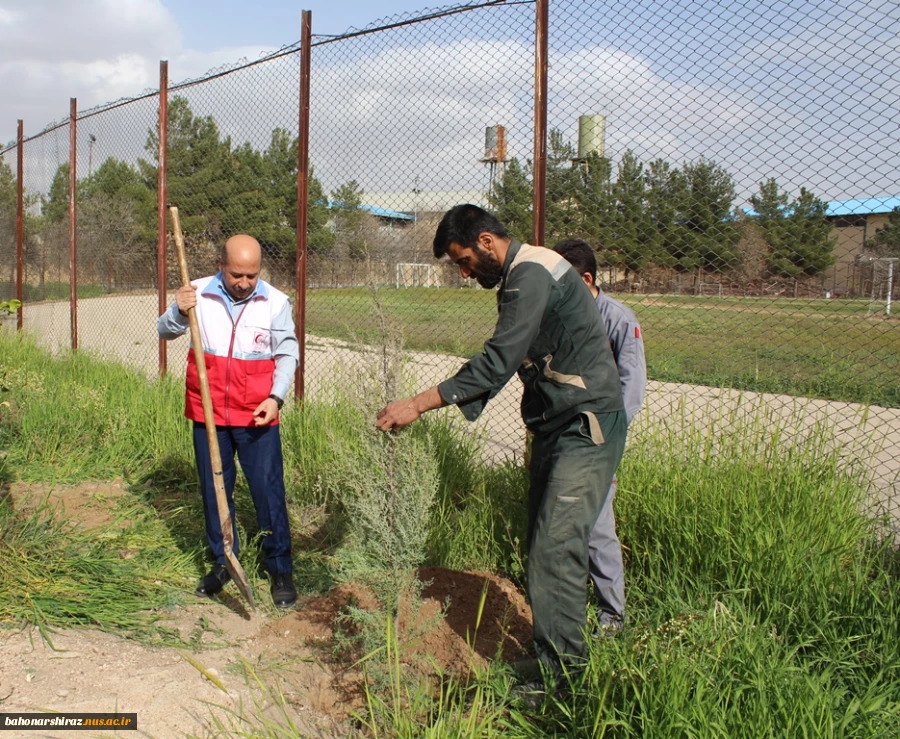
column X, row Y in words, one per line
column 541, row 35
column 20, row 225
column 73, row 229
column 303, row 197
column 161, row 203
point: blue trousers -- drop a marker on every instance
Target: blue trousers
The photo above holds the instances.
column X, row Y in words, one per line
column 259, row 452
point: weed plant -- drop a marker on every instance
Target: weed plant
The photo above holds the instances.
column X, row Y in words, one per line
column 761, row 603
column 76, row 417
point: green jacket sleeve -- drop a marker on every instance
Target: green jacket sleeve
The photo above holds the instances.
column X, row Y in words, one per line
column 522, row 303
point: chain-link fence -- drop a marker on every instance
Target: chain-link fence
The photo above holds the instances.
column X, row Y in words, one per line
column 397, row 136
column 8, row 195
column 733, row 167
column 45, row 291
column 731, row 164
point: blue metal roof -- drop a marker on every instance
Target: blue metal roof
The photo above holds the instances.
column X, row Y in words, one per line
column 394, row 215
column 858, row 207
column 868, row 206
column 385, row 213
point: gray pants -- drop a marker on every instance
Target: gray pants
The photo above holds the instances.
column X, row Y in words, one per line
column 605, row 564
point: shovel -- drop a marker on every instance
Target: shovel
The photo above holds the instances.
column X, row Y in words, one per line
column 231, row 561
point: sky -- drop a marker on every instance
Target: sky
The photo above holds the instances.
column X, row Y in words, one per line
column 101, row 50
column 805, row 91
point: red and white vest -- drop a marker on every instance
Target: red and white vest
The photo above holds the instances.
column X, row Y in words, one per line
column 239, row 354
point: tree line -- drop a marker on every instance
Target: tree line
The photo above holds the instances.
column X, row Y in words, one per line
column 635, row 215
column 220, row 188
column 638, row 215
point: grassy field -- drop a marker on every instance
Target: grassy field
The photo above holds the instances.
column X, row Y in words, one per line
column 816, row 348
column 761, row 602
column 49, row 291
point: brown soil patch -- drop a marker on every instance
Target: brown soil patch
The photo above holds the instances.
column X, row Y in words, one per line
column 464, row 619
column 505, row 627
column 443, row 637
column 170, row 688
column 293, row 654
column 88, row 505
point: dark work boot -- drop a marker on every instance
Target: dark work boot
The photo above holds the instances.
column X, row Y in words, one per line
column 283, row 591
column 213, row 583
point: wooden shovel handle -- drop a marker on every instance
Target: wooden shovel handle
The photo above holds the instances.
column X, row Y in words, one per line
column 215, row 456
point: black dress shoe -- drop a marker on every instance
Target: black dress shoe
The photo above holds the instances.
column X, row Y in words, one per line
column 213, row 583
column 283, row 591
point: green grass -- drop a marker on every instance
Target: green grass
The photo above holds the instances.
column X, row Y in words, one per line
column 816, row 348
column 119, row 577
column 79, row 418
column 761, row 604
column 451, row 320
column 50, row 291
column 761, row 601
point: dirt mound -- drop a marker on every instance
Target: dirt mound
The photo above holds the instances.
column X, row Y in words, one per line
column 505, row 626
column 465, row 618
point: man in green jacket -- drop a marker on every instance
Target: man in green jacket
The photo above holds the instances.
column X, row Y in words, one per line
column 550, row 332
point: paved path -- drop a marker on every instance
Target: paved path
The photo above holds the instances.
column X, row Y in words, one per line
column 124, row 328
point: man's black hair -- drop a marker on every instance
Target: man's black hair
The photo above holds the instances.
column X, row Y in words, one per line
column 579, row 254
column 463, row 224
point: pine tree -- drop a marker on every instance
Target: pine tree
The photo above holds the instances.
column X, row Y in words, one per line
column 349, row 220
column 886, row 241
column 800, row 238
column 510, row 199
column 200, row 171
column 119, row 181
column 280, row 168
column 634, row 241
column 8, row 220
column 708, row 232
column 663, row 209
column 597, row 207
column 55, row 207
column 563, row 183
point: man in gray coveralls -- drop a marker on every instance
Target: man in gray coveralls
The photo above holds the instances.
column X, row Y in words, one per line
column 549, row 331
column 624, row 331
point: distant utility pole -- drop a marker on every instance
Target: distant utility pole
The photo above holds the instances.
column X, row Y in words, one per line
column 92, row 139
column 416, row 191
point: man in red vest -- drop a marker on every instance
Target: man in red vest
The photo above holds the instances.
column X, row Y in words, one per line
column 251, row 353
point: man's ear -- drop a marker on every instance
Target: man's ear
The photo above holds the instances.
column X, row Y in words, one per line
column 588, row 279
column 486, row 241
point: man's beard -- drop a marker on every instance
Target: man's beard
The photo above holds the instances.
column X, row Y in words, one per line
column 490, row 271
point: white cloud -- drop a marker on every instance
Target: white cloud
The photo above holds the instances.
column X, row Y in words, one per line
column 94, row 50
column 51, row 31
column 386, row 115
